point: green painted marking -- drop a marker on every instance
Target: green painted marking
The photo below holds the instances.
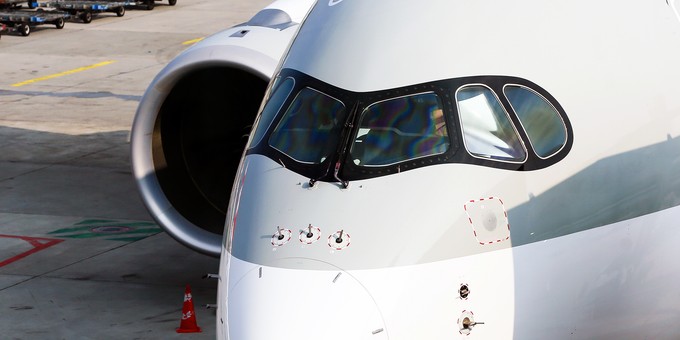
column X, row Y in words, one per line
column 112, row 230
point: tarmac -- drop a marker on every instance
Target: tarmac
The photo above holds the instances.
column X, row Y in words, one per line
column 80, row 257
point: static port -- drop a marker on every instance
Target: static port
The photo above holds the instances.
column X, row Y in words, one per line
column 464, row 291
column 467, row 323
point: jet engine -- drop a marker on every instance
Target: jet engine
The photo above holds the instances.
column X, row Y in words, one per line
column 193, row 122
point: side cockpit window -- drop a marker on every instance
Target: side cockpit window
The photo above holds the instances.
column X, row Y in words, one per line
column 278, row 97
column 487, row 129
column 310, row 129
column 540, row 120
column 400, row 129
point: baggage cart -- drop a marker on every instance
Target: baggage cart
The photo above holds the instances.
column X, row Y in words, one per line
column 150, row 4
column 22, row 20
column 6, row 4
column 85, row 9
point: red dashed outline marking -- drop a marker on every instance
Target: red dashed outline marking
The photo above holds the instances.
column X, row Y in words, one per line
column 304, row 233
column 275, row 237
column 38, row 243
column 473, row 226
column 459, row 322
column 333, row 238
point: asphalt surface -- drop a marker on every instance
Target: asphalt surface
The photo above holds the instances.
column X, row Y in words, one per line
column 80, row 257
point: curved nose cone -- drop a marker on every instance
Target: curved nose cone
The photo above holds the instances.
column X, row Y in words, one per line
column 278, row 303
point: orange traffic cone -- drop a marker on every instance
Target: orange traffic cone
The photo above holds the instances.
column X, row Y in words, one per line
column 188, row 324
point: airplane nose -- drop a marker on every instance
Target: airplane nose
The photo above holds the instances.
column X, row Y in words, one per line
column 301, row 299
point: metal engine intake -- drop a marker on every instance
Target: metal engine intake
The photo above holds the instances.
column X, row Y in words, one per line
column 192, row 124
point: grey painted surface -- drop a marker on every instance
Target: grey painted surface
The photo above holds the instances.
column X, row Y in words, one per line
column 613, row 189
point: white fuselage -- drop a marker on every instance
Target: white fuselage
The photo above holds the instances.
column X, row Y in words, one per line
column 615, row 281
column 582, row 248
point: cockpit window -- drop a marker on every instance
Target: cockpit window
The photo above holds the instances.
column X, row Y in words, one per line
column 540, row 120
column 400, row 129
column 310, row 129
column 270, row 110
column 487, row 129
column 330, row 134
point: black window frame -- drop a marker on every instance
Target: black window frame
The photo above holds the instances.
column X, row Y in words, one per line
column 445, row 89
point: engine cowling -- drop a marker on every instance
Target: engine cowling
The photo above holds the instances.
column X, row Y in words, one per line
column 192, row 124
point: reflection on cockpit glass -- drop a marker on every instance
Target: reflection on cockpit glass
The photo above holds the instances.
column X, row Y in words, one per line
column 487, row 129
column 310, row 129
column 400, row 129
column 546, row 130
column 271, row 109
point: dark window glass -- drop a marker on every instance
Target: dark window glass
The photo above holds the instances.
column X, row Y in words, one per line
column 270, row 110
column 310, row 129
column 487, row 129
column 541, row 122
column 400, row 129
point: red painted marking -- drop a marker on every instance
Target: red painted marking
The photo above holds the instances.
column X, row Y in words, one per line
column 473, row 226
column 290, row 235
column 38, row 243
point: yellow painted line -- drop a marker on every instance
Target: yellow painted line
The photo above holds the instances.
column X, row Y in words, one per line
column 192, row 41
column 65, row 73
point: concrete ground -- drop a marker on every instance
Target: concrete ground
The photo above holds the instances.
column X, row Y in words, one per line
column 80, row 258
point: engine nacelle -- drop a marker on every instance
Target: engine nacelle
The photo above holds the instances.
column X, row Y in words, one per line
column 192, row 124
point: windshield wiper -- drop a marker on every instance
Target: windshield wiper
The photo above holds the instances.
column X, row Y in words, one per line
column 344, row 145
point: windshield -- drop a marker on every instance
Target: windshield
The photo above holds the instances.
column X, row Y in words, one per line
column 400, row 129
column 310, row 128
column 330, row 134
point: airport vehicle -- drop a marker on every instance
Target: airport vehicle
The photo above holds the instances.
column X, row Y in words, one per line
column 150, row 4
column 4, row 4
column 85, row 9
column 439, row 170
column 22, row 21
